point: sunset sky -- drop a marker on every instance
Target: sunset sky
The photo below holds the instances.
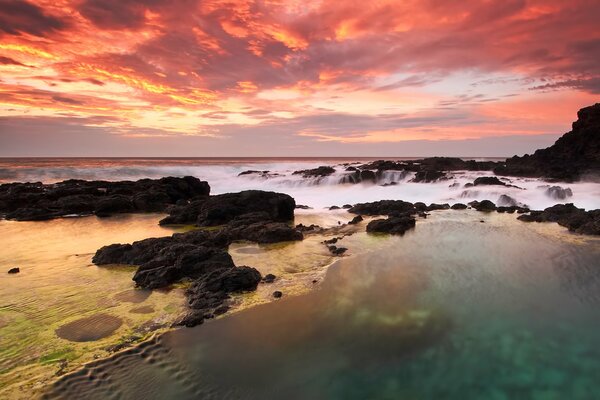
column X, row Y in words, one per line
column 293, row 78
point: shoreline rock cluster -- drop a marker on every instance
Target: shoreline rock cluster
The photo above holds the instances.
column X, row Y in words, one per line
column 201, row 255
column 38, row 201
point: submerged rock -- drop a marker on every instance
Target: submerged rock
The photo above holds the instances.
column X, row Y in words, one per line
column 558, row 193
column 95, row 327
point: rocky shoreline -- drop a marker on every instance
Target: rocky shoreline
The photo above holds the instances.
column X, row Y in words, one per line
column 200, row 256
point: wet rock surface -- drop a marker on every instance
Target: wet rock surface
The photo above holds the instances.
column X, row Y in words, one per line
column 393, row 225
column 201, row 255
column 575, row 219
column 37, row 201
column 318, row 172
column 223, row 208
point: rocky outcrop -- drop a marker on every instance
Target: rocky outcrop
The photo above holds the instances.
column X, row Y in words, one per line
column 37, row 201
column 575, row 219
column 383, row 207
column 319, row 172
column 488, row 180
column 573, row 156
column 201, row 255
column 223, row 208
column 394, row 225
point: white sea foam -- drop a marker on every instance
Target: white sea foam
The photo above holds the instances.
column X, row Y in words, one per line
column 314, row 192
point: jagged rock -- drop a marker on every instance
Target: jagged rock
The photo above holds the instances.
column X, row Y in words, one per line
column 570, row 158
column 14, row 270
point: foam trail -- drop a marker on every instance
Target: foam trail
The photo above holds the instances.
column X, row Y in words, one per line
column 315, row 192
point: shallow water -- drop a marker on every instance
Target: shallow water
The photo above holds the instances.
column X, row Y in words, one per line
column 454, row 309
column 59, row 292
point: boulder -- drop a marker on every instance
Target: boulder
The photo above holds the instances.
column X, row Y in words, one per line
column 488, row 180
column 393, row 225
column 383, row 207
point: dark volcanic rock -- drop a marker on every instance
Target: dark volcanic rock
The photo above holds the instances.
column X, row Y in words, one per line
column 222, row 208
column 571, row 157
column 277, row 294
column 269, row 278
column 459, row 206
column 567, row 215
column 434, row 207
column 484, row 205
column 319, row 172
column 207, row 295
column 488, row 180
column 383, row 207
column 36, row 201
column 14, row 270
column 355, row 220
column 393, row 225
column 427, row 176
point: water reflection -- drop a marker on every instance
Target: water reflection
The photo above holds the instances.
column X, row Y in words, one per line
column 454, row 309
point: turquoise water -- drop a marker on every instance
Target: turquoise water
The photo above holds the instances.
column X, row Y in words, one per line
column 456, row 309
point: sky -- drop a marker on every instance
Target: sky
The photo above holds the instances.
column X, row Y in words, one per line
column 235, row 78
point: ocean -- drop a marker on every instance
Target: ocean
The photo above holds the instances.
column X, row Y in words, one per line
column 223, row 176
